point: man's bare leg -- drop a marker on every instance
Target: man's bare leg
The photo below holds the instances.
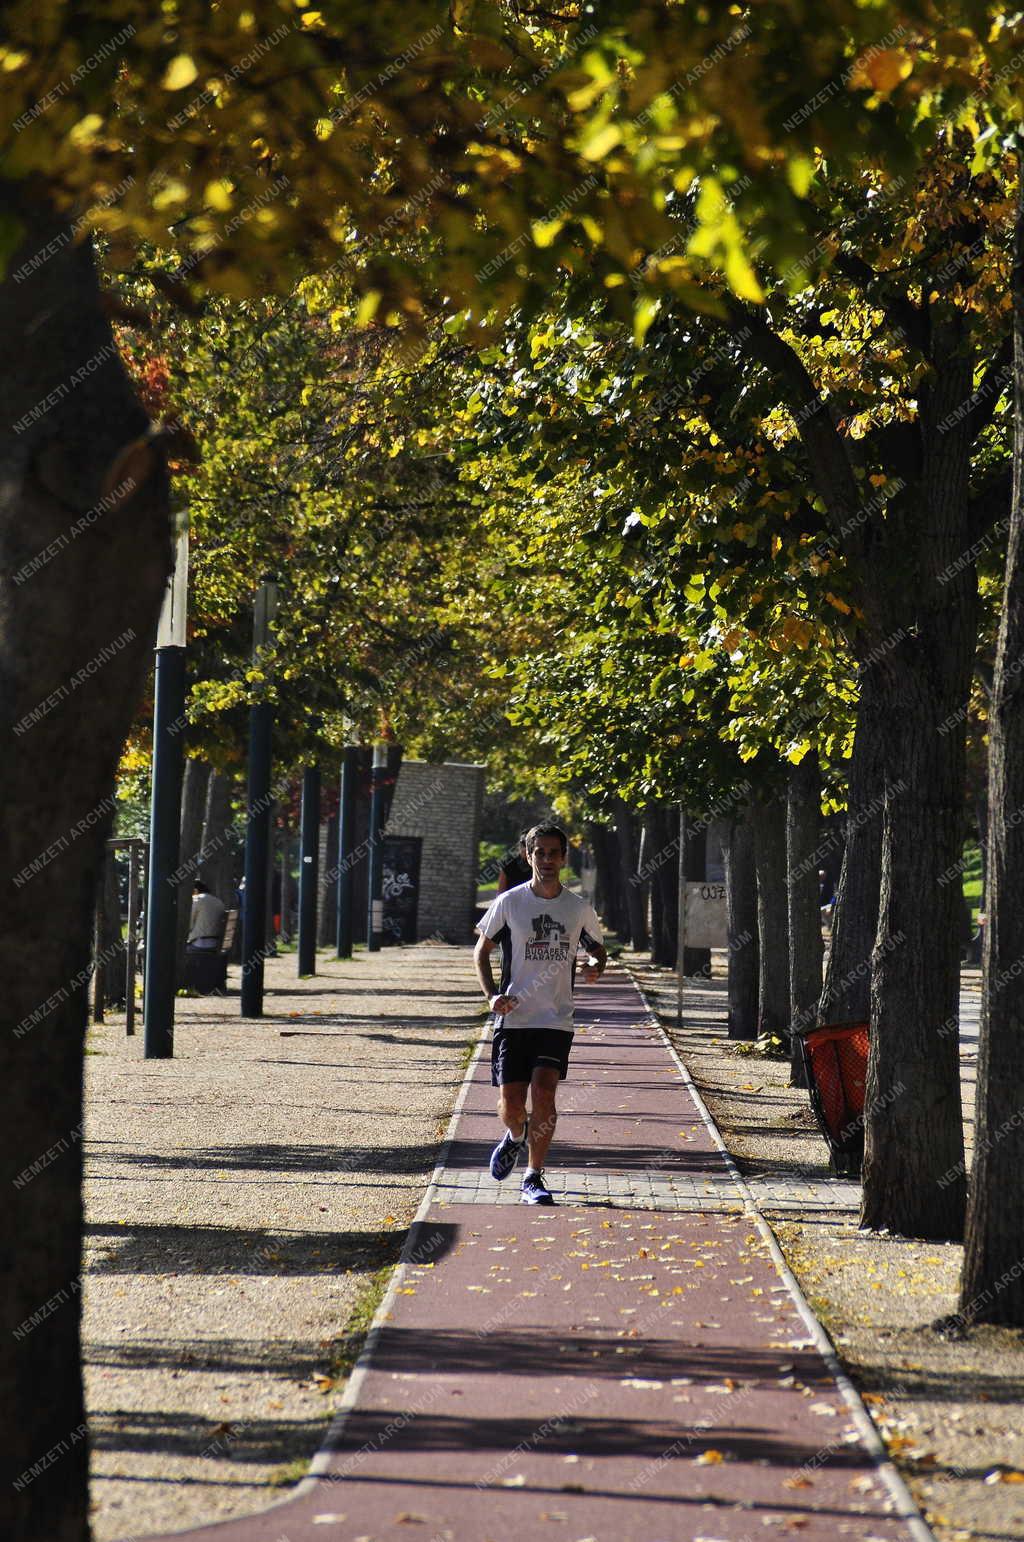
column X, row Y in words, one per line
column 543, row 1114
column 512, row 1107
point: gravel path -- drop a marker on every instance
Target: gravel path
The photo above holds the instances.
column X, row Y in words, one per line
column 951, row 1414
column 239, row 1199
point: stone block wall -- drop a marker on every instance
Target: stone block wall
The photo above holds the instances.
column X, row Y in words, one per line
column 442, row 804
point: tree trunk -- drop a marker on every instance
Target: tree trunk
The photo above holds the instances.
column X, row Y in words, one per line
column 219, row 843
column 696, row 961
column 632, row 885
column 846, row 994
column 327, row 892
column 741, row 897
column 769, row 820
column 113, row 940
column 992, row 1284
column 609, row 888
column 803, row 832
column 662, row 865
column 190, row 865
column 926, row 590
column 981, row 814
column 84, row 529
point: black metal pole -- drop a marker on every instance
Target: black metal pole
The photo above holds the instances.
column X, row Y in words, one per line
column 375, row 905
column 130, row 952
column 346, row 841
column 164, row 841
column 257, row 846
column 310, row 839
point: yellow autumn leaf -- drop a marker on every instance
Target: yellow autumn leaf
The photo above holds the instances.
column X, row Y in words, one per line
column 795, row 630
column 741, row 277
column 171, row 194
column 841, row 605
column 86, row 129
column 710, row 1458
column 545, row 231
column 884, row 70
column 219, row 194
column 597, row 145
column 368, row 307
column 181, row 72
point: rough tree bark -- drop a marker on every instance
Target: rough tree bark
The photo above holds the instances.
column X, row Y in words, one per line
column 769, row 821
column 912, row 563
column 696, row 961
column 77, row 629
column 218, row 852
column 846, row 994
column 663, row 865
column 193, row 810
column 992, row 1284
column 632, row 888
column 609, row 889
column 327, row 892
column 924, row 621
column 113, row 942
column 741, row 898
column 803, row 831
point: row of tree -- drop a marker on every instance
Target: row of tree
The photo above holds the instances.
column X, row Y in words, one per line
column 805, row 224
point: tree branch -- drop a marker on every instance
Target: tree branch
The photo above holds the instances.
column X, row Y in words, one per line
column 826, row 452
column 901, row 311
column 998, row 375
column 990, row 507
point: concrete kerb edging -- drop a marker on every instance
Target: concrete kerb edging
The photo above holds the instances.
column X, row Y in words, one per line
column 319, row 1468
column 906, row 1508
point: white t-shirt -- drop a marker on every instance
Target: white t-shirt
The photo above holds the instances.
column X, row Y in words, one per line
column 539, row 938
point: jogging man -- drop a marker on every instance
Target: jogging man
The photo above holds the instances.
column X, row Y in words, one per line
column 539, row 926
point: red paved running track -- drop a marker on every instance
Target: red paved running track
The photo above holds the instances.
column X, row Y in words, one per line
column 597, row 1371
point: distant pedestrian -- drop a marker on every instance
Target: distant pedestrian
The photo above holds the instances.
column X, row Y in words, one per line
column 539, row 926
column 206, row 924
column 515, row 868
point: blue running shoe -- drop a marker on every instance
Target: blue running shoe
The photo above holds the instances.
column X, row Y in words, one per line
column 507, row 1153
column 535, row 1191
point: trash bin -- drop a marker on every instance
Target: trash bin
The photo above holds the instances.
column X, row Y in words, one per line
column 206, row 971
column 835, row 1058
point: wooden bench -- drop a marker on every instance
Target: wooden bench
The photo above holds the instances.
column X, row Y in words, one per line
column 206, row 969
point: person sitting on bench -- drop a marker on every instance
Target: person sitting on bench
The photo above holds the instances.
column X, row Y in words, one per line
column 206, row 926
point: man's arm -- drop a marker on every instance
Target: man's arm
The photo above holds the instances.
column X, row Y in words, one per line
column 594, row 968
column 482, row 959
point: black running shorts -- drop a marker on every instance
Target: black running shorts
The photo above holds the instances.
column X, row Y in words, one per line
column 517, row 1052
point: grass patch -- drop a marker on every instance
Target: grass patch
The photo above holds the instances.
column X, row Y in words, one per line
column 346, row 1350
column 290, row 1474
column 467, row 1054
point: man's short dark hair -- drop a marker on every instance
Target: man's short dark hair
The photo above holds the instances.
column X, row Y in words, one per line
column 532, row 837
column 200, row 888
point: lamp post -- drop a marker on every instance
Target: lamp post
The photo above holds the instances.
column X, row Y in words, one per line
column 346, row 841
column 375, row 906
column 165, row 813
column 257, row 830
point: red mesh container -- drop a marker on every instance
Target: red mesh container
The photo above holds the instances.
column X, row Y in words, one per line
column 836, row 1062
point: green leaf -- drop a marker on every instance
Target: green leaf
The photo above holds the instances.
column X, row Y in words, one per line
column 644, row 312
